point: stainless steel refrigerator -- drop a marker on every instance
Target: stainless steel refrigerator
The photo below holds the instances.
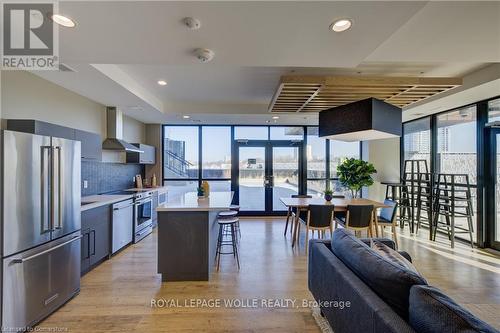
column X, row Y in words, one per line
column 40, row 226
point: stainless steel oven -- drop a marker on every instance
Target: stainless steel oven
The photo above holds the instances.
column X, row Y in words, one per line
column 143, row 215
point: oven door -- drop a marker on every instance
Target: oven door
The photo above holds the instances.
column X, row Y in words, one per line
column 143, row 214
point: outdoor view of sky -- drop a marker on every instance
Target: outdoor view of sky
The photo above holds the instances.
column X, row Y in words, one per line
column 217, row 142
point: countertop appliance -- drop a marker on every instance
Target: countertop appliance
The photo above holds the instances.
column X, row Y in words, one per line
column 40, row 217
column 123, row 225
column 143, row 215
column 143, row 212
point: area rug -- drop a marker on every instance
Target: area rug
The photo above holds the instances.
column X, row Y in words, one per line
column 322, row 323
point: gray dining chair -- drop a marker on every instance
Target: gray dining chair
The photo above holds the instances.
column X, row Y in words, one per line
column 291, row 213
column 387, row 217
column 320, row 219
column 358, row 218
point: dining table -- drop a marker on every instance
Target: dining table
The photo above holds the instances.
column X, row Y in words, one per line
column 339, row 204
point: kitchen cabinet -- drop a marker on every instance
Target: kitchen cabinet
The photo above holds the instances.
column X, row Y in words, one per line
column 96, row 225
column 148, row 155
column 91, row 143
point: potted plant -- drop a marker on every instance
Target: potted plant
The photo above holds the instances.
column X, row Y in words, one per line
column 328, row 195
column 201, row 192
column 355, row 174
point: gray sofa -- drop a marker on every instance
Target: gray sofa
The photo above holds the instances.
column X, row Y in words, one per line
column 397, row 300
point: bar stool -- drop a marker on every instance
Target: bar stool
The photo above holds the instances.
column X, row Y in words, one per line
column 227, row 227
column 237, row 209
column 229, row 214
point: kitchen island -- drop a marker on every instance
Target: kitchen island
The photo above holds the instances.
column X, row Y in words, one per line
column 187, row 235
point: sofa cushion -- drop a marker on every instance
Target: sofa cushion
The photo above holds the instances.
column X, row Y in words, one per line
column 431, row 311
column 390, row 281
column 392, row 255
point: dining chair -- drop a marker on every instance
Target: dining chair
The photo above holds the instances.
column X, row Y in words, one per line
column 292, row 211
column 358, row 218
column 387, row 217
column 320, row 219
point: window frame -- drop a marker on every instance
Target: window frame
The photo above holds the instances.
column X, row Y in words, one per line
column 481, row 156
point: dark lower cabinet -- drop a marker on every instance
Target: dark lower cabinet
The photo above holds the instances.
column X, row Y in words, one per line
column 96, row 236
column 85, row 265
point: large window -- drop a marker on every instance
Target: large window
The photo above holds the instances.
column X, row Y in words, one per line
column 180, row 152
column 216, row 152
column 417, row 140
column 251, row 132
column 456, row 143
column 339, row 151
column 192, row 154
column 316, row 162
column 286, row 133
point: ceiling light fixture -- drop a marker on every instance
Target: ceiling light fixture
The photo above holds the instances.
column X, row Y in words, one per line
column 162, row 82
column 186, row 116
column 276, row 117
column 341, row 25
column 63, row 20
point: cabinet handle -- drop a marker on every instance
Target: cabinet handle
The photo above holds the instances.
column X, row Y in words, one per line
column 88, row 245
column 93, row 232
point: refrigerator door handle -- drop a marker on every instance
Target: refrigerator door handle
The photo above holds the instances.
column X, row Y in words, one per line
column 59, row 187
column 20, row 261
column 43, row 187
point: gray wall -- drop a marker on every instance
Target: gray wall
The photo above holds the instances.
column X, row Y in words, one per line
column 27, row 96
column 384, row 154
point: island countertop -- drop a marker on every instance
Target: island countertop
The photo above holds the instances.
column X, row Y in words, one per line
column 189, row 202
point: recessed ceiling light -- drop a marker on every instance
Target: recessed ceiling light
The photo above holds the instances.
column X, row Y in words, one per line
column 341, row 25
column 186, row 116
column 276, row 117
column 63, row 20
column 162, row 82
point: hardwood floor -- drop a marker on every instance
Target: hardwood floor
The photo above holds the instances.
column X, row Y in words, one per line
column 116, row 296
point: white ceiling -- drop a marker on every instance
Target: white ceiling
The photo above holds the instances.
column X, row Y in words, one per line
column 120, row 50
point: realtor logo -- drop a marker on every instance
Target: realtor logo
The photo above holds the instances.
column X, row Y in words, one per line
column 29, row 36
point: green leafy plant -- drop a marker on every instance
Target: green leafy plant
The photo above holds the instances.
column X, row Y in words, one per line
column 328, row 191
column 355, row 174
column 201, row 191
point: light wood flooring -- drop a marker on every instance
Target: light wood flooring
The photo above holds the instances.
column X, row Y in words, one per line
column 116, row 296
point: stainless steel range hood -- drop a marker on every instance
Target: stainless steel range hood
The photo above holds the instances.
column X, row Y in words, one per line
column 114, row 125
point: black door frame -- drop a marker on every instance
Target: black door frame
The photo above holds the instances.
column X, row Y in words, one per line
column 490, row 188
column 268, row 145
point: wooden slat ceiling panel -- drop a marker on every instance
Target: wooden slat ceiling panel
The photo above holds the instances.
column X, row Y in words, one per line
column 317, row 93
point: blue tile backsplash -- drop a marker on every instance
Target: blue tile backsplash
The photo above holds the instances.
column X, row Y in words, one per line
column 107, row 177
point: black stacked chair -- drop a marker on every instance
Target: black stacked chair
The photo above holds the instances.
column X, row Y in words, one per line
column 453, row 200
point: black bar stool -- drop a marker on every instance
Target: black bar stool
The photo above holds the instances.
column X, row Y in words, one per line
column 227, row 226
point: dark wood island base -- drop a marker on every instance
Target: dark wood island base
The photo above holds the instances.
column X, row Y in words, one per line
column 187, row 236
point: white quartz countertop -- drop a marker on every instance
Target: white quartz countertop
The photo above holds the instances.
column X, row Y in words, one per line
column 94, row 201
column 190, row 202
column 146, row 189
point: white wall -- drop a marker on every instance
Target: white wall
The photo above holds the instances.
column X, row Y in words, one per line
column 27, row 96
column 384, row 154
